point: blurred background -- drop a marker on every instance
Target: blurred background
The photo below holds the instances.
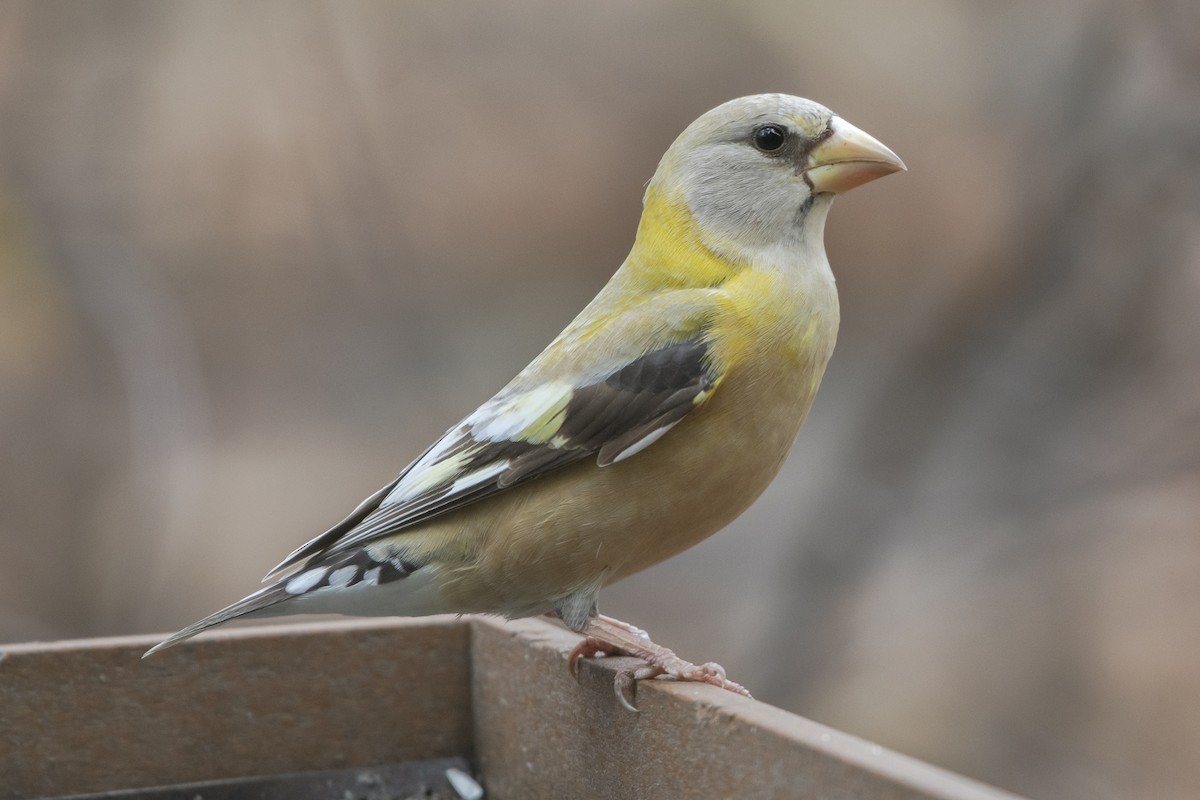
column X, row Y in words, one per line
column 254, row 257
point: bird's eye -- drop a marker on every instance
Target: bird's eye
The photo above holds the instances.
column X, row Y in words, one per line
column 769, row 138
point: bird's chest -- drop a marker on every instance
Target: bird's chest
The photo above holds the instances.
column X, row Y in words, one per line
column 774, row 337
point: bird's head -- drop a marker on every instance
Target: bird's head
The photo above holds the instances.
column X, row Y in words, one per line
column 759, row 171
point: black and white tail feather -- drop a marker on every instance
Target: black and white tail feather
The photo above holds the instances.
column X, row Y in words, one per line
column 337, row 585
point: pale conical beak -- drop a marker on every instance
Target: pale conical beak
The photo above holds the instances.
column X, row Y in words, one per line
column 848, row 158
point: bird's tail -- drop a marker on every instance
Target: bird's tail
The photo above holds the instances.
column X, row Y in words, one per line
column 260, row 603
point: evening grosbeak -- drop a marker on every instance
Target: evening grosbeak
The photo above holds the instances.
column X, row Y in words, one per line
column 660, row 413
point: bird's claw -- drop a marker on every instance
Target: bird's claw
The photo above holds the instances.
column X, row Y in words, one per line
column 589, row 648
column 625, row 688
column 658, row 662
column 670, row 667
column 623, row 685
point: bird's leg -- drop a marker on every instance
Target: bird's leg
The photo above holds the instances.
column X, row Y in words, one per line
column 612, row 637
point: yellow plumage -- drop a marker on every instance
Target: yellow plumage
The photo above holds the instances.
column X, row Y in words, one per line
column 660, row 413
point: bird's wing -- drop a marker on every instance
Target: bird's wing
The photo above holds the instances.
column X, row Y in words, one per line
column 618, row 388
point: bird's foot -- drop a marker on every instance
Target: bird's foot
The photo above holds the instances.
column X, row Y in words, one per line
column 608, row 636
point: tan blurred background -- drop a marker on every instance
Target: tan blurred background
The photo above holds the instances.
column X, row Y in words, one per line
column 253, row 257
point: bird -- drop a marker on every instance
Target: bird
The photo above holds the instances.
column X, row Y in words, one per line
column 660, row 413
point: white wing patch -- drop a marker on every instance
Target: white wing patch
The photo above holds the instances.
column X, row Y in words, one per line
column 641, row 444
column 479, row 476
column 427, row 474
column 532, row 417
